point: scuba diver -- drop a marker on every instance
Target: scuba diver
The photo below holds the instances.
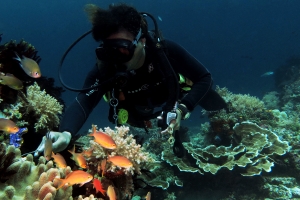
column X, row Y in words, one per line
column 140, row 74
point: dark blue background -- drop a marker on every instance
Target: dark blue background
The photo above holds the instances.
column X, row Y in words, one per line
column 237, row 40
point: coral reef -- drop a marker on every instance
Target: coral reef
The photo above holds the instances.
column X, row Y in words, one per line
column 126, row 146
column 30, row 181
column 161, row 176
column 281, row 188
column 8, row 156
column 121, row 178
column 287, row 73
column 253, row 151
column 271, row 100
column 27, row 105
column 9, row 65
column 240, row 108
column 48, row 84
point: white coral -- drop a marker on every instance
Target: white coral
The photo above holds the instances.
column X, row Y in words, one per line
column 126, row 146
column 44, row 106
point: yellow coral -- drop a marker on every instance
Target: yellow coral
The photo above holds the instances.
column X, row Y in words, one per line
column 31, row 181
column 44, row 106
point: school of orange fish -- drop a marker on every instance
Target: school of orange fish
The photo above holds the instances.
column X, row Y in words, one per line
column 81, row 177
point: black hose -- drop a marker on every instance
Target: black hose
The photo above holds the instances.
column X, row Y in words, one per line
column 62, row 61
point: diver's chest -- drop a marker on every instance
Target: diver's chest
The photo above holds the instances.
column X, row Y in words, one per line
column 144, row 81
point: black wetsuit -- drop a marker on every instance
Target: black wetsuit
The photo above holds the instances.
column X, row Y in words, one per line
column 145, row 89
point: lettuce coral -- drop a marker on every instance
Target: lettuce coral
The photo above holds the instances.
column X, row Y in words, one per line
column 254, row 150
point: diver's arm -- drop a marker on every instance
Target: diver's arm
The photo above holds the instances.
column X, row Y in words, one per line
column 187, row 65
column 79, row 110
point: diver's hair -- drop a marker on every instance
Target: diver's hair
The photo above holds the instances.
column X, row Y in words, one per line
column 116, row 17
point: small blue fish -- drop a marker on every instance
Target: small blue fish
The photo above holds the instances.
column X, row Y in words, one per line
column 160, row 19
column 267, row 74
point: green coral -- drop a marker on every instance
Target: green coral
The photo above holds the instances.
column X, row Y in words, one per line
column 281, row 188
column 271, row 100
column 254, row 151
column 240, row 107
column 44, row 107
column 241, row 103
column 161, row 176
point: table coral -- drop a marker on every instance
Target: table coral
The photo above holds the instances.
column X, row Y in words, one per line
column 240, row 107
column 255, row 147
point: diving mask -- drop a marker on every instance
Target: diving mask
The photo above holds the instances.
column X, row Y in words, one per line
column 117, row 50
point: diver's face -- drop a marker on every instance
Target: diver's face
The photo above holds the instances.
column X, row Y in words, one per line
column 138, row 57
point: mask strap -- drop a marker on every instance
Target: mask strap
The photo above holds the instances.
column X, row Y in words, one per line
column 138, row 36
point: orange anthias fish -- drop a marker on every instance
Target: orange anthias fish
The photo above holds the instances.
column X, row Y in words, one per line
column 103, row 166
column 148, row 196
column 48, row 147
column 120, row 161
column 98, row 186
column 59, row 160
column 88, row 152
column 111, row 193
column 8, row 126
column 30, row 66
column 75, row 177
column 78, row 158
column 11, row 81
column 103, row 139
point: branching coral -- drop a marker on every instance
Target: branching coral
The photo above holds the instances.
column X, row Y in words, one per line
column 45, row 108
column 241, row 103
column 121, row 178
column 126, row 146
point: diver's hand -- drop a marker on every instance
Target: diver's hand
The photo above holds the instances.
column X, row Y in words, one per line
column 60, row 141
column 174, row 124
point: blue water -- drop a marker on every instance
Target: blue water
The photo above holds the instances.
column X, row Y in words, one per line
column 237, row 40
